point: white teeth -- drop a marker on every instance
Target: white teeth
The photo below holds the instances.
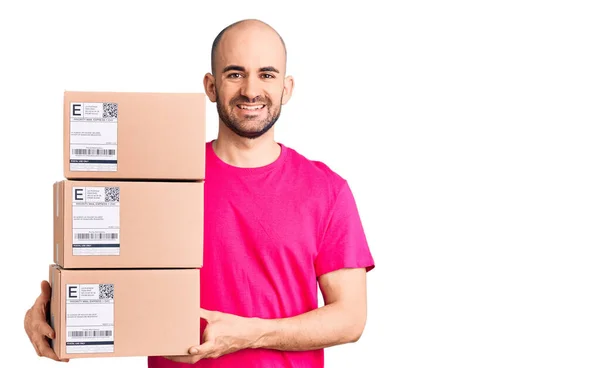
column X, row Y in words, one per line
column 251, row 107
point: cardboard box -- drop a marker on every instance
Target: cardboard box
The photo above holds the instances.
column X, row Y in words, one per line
column 128, row 224
column 117, row 313
column 137, row 136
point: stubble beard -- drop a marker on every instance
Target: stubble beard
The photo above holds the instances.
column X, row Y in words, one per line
column 240, row 126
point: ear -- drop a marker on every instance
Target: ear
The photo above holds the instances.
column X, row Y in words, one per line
column 210, row 87
column 288, row 87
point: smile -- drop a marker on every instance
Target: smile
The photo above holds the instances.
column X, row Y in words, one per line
column 251, row 107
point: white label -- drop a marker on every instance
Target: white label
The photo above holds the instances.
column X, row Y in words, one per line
column 90, row 318
column 96, row 219
column 93, row 136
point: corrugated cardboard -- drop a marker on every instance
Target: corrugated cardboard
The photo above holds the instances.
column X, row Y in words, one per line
column 131, row 224
column 134, row 135
column 151, row 313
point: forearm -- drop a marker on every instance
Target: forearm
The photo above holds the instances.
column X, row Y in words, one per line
column 330, row 325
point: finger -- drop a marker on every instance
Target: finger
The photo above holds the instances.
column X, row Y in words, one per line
column 44, row 349
column 45, row 329
column 48, row 352
column 207, row 334
column 205, row 337
column 189, row 359
column 208, row 315
column 37, row 351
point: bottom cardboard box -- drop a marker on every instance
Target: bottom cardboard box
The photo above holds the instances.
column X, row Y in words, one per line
column 118, row 313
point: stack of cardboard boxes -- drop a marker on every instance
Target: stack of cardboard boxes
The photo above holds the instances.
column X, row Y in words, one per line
column 128, row 225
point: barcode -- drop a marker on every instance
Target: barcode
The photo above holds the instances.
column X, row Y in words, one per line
column 90, row 333
column 101, row 236
column 94, row 152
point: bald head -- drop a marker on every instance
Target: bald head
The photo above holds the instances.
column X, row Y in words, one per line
column 245, row 28
column 248, row 80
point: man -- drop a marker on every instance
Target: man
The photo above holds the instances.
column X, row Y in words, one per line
column 276, row 225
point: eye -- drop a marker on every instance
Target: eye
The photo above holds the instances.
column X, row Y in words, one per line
column 268, row 76
column 234, row 75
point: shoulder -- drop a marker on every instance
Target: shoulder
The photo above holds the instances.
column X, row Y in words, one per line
column 315, row 172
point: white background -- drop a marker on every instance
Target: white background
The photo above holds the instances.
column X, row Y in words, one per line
column 468, row 130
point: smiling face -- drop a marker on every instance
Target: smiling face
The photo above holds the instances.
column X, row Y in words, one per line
column 249, row 83
column 247, row 106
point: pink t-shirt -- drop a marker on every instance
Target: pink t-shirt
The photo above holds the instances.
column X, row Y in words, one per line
column 269, row 233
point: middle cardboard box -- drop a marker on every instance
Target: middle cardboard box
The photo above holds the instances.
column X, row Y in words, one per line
column 128, row 224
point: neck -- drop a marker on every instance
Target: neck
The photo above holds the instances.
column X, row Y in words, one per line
column 244, row 152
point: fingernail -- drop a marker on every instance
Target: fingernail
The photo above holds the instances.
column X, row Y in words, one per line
column 194, row 351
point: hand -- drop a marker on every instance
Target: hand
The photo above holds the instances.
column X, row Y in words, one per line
column 38, row 330
column 224, row 334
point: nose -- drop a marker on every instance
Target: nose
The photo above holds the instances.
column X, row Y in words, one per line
column 250, row 88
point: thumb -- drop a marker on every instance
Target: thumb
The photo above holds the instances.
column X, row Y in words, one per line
column 203, row 349
column 46, row 291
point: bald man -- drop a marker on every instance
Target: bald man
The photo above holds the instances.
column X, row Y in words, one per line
column 277, row 225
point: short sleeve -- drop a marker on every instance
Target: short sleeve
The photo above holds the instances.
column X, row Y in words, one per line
column 344, row 243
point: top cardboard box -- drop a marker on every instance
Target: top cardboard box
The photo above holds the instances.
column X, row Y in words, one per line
column 134, row 135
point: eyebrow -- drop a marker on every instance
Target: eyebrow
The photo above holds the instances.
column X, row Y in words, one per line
column 269, row 69
column 242, row 69
column 233, row 67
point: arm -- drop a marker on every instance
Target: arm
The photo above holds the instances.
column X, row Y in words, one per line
column 341, row 261
column 341, row 320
